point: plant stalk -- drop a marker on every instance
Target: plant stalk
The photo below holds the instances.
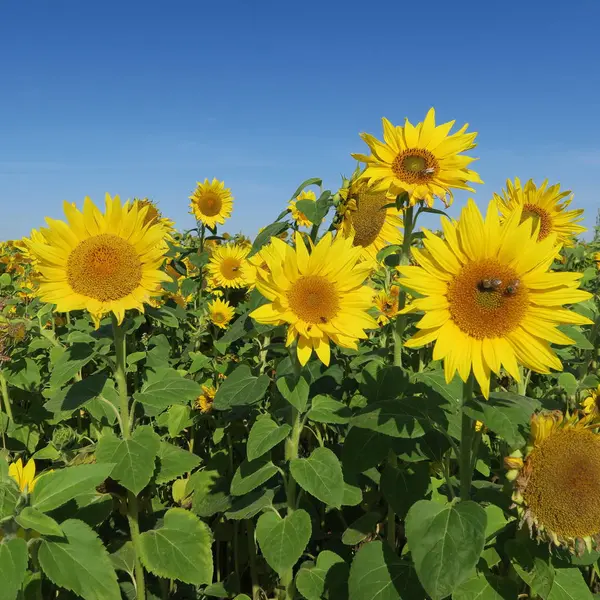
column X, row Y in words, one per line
column 391, row 515
column 252, row 558
column 6, row 396
column 466, row 441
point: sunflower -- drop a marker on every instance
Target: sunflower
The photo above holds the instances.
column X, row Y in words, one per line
column 597, row 259
column 24, row 475
column 320, row 295
column 362, row 216
column 301, row 219
column 228, row 266
column 220, row 312
column 557, row 481
column 153, row 215
column 591, row 404
column 387, row 305
column 422, row 160
column 204, row 402
column 488, row 298
column 211, row 203
column 544, row 207
column 100, row 262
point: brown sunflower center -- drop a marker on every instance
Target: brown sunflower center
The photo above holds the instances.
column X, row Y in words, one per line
column 415, row 165
column 369, row 217
column 210, row 204
column 218, row 317
column 314, row 299
column 487, row 299
column 231, row 268
column 104, row 267
column 563, row 485
column 540, row 217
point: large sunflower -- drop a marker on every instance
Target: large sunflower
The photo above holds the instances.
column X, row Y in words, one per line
column 362, row 217
column 100, row 262
column 557, row 481
column 211, row 203
column 320, row 295
column 489, row 300
column 301, row 219
column 228, row 266
column 423, row 160
column 544, row 207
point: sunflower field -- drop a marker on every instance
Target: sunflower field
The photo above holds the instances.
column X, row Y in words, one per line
column 349, row 406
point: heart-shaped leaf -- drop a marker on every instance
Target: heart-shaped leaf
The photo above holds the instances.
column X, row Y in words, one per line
column 320, row 475
column 264, row 435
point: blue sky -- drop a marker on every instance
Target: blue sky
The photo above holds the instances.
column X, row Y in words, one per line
column 146, row 98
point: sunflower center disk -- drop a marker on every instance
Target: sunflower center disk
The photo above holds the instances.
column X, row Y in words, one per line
column 415, row 165
column 104, row 267
column 210, row 204
column 486, row 300
column 369, row 217
column 314, row 299
column 231, row 268
column 563, row 488
column 540, row 217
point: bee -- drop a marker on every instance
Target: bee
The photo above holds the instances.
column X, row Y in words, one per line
column 428, row 171
column 235, row 269
column 323, row 319
column 512, row 287
column 388, row 306
column 490, row 284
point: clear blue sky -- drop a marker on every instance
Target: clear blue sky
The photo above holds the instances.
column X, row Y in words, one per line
column 146, row 98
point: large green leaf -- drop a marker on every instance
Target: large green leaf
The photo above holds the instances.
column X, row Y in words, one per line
column 211, row 493
column 167, row 387
column 55, row 488
column 569, row 584
column 364, row 449
column 9, row 496
column 79, row 562
column 329, row 576
column 69, row 364
column 358, row 531
column 264, row 435
column 394, row 418
column 320, row 475
column 294, row 390
column 380, row 382
column 241, row 388
column 446, row 542
column 31, row 518
column 486, row 587
column 327, row 410
column 13, row 566
column 178, row 417
column 403, row 487
column 264, row 237
column 78, row 394
column 252, row 474
column 282, row 541
column 248, row 506
column 180, row 549
column 531, row 563
column 133, row 458
column 173, row 462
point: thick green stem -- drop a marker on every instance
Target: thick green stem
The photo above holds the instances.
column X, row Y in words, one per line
column 6, row 397
column 466, row 441
column 291, row 452
column 252, row 557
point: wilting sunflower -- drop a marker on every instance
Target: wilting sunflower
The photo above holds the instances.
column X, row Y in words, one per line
column 204, row 402
column 320, row 295
column 488, row 298
column 220, row 312
column 544, row 207
column 228, row 266
column 100, row 262
column 211, row 203
column 301, row 219
column 591, row 404
column 423, row 160
column 387, row 305
column 153, row 215
column 557, row 481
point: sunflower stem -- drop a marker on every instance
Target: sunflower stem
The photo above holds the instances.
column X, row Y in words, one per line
column 391, row 515
column 6, row 396
column 466, row 441
column 252, row 557
column 293, row 440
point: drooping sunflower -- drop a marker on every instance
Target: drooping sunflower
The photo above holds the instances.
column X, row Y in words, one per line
column 544, row 207
column 488, row 298
column 320, row 296
column 557, row 481
column 387, row 305
column 100, row 262
column 591, row 404
column 362, row 216
column 423, row 160
column 211, row 203
column 154, row 216
column 301, row 219
column 228, row 266
column 220, row 312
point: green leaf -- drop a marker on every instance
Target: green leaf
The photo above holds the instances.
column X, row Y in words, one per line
column 248, row 506
column 530, row 561
column 329, row 575
column 13, row 566
column 173, row 462
column 31, row 518
column 77, row 395
column 70, row 363
column 180, row 549
column 327, row 410
column 133, row 458
column 123, row 559
column 264, row 435
column 167, row 387
column 178, row 418
column 55, row 488
column 320, row 475
column 241, row 388
column 394, row 418
column 361, row 529
column 79, row 562
column 569, row 383
column 445, row 542
column 569, row 585
column 364, row 449
column 294, row 390
column 401, row 488
column 377, row 573
column 486, row 587
column 250, row 475
column 264, row 237
column 106, row 404
column 199, row 361
column 164, row 315
column 211, row 493
column 9, row 496
column 381, row 382
column 580, row 339
column 282, row 541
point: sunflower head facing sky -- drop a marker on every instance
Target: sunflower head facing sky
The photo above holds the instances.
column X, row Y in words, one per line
column 423, row 160
column 100, row 262
column 228, row 266
column 301, row 219
column 211, row 203
column 557, row 481
column 545, row 206
column 319, row 295
column 488, row 297
column 220, row 312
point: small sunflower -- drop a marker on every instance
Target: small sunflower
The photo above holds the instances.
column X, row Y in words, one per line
column 220, row 312
column 544, row 207
column 153, row 215
column 228, row 266
column 24, row 475
column 387, row 305
column 100, row 262
column 204, row 402
column 211, row 203
column 597, row 259
column 591, row 404
column 557, row 481
column 488, row 298
column 320, row 296
column 423, row 160
column 301, row 219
